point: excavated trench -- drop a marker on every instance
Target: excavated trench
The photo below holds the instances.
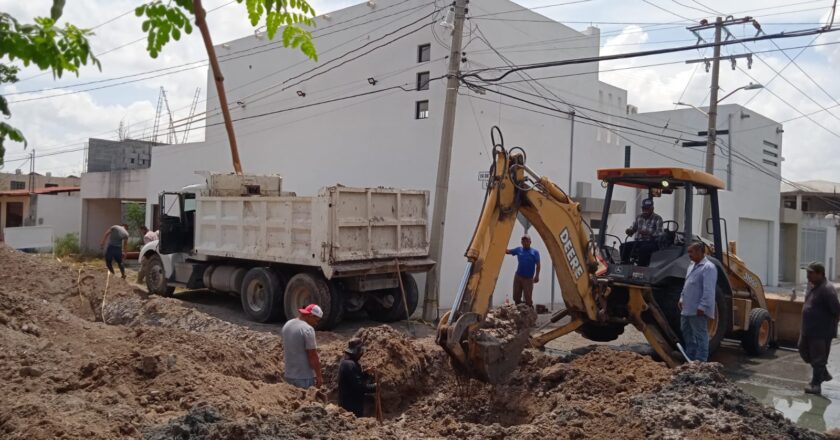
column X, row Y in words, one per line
column 79, row 362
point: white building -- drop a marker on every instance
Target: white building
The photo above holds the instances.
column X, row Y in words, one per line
column 360, row 120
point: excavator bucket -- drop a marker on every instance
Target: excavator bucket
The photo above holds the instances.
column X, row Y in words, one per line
column 488, row 349
column 493, row 359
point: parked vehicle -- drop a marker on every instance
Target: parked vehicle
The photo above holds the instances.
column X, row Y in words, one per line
column 346, row 249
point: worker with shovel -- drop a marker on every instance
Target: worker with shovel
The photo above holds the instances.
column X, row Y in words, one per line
column 353, row 382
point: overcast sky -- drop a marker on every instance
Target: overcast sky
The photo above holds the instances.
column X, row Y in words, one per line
column 63, row 122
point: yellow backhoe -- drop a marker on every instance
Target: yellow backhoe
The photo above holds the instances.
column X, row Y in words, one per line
column 604, row 288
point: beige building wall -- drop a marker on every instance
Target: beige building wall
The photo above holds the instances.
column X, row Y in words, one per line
column 41, row 181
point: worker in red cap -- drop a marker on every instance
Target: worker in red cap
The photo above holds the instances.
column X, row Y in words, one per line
column 300, row 354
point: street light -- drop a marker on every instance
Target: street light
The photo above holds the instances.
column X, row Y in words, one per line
column 750, row 86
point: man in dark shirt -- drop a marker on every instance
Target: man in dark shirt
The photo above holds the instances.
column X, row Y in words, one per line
column 819, row 325
column 353, row 383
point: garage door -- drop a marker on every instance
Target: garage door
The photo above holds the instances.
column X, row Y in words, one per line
column 754, row 246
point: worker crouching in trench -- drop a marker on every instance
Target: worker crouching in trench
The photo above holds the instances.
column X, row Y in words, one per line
column 353, row 382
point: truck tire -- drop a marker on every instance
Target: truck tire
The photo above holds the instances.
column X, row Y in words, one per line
column 719, row 326
column 394, row 308
column 756, row 340
column 312, row 288
column 601, row 333
column 262, row 295
column 156, row 277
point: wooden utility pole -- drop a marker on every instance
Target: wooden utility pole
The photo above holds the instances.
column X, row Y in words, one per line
column 712, row 128
column 430, row 303
column 201, row 22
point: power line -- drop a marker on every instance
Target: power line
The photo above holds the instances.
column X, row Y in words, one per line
column 795, row 34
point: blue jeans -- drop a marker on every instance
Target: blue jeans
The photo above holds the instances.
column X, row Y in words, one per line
column 114, row 253
column 696, row 337
column 301, row 383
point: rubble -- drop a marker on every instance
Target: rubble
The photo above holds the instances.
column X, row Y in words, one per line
column 155, row 368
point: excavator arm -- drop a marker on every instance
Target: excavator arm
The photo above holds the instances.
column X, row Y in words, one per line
column 514, row 188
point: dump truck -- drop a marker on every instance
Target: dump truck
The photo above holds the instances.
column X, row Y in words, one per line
column 606, row 287
column 346, row 249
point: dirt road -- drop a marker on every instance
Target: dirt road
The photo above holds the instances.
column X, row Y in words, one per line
column 82, row 361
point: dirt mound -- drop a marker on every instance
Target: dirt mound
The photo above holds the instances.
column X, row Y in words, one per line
column 500, row 340
column 149, row 367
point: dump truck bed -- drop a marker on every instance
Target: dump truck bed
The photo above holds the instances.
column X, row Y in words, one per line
column 342, row 230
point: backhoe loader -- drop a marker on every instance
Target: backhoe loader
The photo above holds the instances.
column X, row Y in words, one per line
column 604, row 289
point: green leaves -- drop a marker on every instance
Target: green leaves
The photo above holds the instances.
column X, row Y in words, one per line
column 165, row 22
column 44, row 44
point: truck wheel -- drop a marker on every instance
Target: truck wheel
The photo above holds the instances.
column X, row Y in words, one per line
column 262, row 295
column 156, row 277
column 392, row 308
column 601, row 333
column 719, row 326
column 756, row 340
column 311, row 288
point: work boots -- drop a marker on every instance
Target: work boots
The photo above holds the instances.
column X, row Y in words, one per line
column 814, row 389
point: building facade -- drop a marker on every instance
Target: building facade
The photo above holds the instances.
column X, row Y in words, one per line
column 374, row 119
column 810, row 218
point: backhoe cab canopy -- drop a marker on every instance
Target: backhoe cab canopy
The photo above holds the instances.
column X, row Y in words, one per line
column 661, row 178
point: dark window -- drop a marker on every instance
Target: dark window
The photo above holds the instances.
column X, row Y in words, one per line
column 424, row 53
column 805, row 208
column 770, row 153
column 771, row 145
column 17, row 185
column 421, row 110
column 423, row 81
column 14, row 214
column 769, row 162
column 132, row 160
column 50, row 185
column 595, row 224
column 790, row 204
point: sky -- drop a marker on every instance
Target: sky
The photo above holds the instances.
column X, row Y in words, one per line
column 57, row 115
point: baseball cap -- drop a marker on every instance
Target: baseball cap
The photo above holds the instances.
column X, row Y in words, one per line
column 313, row 310
column 815, row 266
column 647, row 203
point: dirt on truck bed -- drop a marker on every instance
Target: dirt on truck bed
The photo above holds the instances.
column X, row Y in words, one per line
column 76, row 365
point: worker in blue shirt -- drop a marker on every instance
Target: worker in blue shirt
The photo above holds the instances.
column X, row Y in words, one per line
column 527, row 272
column 697, row 303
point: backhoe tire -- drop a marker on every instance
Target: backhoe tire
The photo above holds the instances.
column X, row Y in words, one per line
column 156, row 277
column 262, row 295
column 395, row 307
column 601, row 333
column 719, row 326
column 756, row 340
column 312, row 288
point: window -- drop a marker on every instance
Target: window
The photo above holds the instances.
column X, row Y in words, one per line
column 423, row 81
column 804, row 205
column 424, row 53
column 17, row 185
column 770, row 162
column 771, row 145
column 770, row 153
column 421, row 110
column 813, row 245
column 50, row 185
column 790, row 204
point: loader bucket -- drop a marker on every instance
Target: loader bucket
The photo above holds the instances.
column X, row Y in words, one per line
column 787, row 317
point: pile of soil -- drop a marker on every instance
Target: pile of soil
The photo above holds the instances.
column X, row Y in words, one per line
column 151, row 367
column 501, row 339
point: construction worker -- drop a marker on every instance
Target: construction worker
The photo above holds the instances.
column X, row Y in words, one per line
column 353, row 382
column 527, row 271
column 645, row 231
column 148, row 236
column 819, row 325
column 697, row 303
column 300, row 353
column 117, row 237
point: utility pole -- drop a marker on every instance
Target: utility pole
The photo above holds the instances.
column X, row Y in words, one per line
column 712, row 129
column 430, row 303
column 720, row 27
column 201, row 22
